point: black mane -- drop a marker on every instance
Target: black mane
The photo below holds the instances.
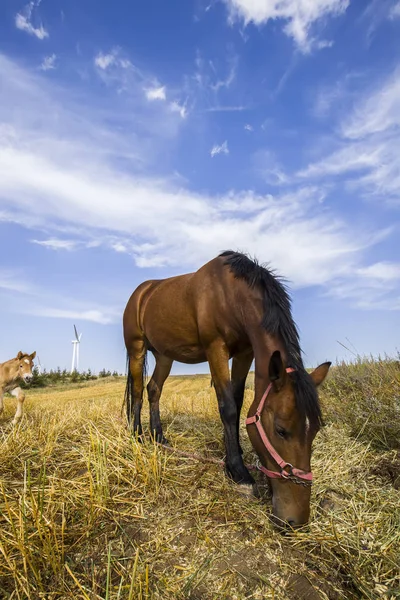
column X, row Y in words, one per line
column 277, row 320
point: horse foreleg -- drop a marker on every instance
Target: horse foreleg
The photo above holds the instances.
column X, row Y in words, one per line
column 154, row 389
column 20, row 396
column 218, row 358
column 240, row 368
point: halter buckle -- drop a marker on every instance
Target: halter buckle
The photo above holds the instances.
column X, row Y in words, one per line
column 287, row 474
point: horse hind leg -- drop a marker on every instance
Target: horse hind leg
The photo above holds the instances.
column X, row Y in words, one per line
column 135, row 385
column 154, row 389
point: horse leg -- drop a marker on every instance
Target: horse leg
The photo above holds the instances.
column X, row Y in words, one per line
column 240, row 368
column 218, row 358
column 20, row 396
column 137, row 355
column 154, row 389
column 1, row 403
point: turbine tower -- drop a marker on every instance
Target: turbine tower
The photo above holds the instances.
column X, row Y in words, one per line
column 38, row 366
column 75, row 351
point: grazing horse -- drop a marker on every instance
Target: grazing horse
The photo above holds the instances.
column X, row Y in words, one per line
column 11, row 372
column 232, row 307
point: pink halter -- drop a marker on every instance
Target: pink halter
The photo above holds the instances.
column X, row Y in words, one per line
column 287, row 470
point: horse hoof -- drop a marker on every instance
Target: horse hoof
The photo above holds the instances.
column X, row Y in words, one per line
column 247, row 489
column 163, row 441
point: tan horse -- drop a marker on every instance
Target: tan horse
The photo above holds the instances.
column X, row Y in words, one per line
column 11, row 372
column 232, row 308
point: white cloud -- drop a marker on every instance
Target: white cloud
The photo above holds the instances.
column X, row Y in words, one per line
column 57, row 244
column 23, row 21
column 103, row 61
column 119, row 247
column 249, row 127
column 49, row 62
column 74, row 178
column 222, row 149
column 156, row 93
column 299, row 15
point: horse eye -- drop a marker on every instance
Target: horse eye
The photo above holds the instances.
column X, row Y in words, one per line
column 281, row 432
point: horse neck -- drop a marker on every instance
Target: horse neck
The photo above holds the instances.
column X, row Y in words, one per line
column 9, row 370
column 264, row 344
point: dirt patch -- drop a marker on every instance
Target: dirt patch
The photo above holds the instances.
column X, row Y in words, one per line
column 299, row 588
column 388, row 469
column 332, row 501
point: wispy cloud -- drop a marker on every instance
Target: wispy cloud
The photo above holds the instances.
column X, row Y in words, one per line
column 181, row 109
column 226, row 108
column 23, row 21
column 394, row 12
column 57, row 244
column 368, row 153
column 222, row 149
column 248, row 127
column 48, row 63
column 224, row 82
column 268, row 168
column 375, row 286
column 104, row 317
column 14, row 281
column 299, row 16
column 156, row 93
column 79, row 174
column 381, row 271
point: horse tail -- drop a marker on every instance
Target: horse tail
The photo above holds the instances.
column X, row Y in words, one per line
column 129, row 389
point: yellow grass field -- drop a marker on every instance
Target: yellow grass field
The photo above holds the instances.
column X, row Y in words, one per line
column 87, row 513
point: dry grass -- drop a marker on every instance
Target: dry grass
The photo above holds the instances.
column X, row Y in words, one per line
column 365, row 396
column 86, row 512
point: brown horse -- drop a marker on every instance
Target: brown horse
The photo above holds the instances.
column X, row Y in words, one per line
column 232, row 308
column 11, row 372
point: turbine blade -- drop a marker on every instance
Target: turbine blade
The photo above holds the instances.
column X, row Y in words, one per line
column 76, row 333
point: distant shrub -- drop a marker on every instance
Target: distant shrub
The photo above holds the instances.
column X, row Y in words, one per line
column 104, row 373
column 57, row 377
column 364, row 396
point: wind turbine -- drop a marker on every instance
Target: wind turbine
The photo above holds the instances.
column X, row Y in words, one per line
column 75, row 351
column 38, row 366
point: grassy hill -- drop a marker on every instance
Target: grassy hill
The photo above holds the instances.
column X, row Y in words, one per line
column 86, row 512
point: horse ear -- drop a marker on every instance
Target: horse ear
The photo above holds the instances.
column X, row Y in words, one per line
column 20, row 355
column 277, row 373
column 33, row 355
column 319, row 374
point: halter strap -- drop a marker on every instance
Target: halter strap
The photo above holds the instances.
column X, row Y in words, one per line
column 287, row 470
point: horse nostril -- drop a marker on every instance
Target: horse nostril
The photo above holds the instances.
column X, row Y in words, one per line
column 291, row 522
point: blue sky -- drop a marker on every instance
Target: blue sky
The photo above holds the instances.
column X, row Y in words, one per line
column 138, row 140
